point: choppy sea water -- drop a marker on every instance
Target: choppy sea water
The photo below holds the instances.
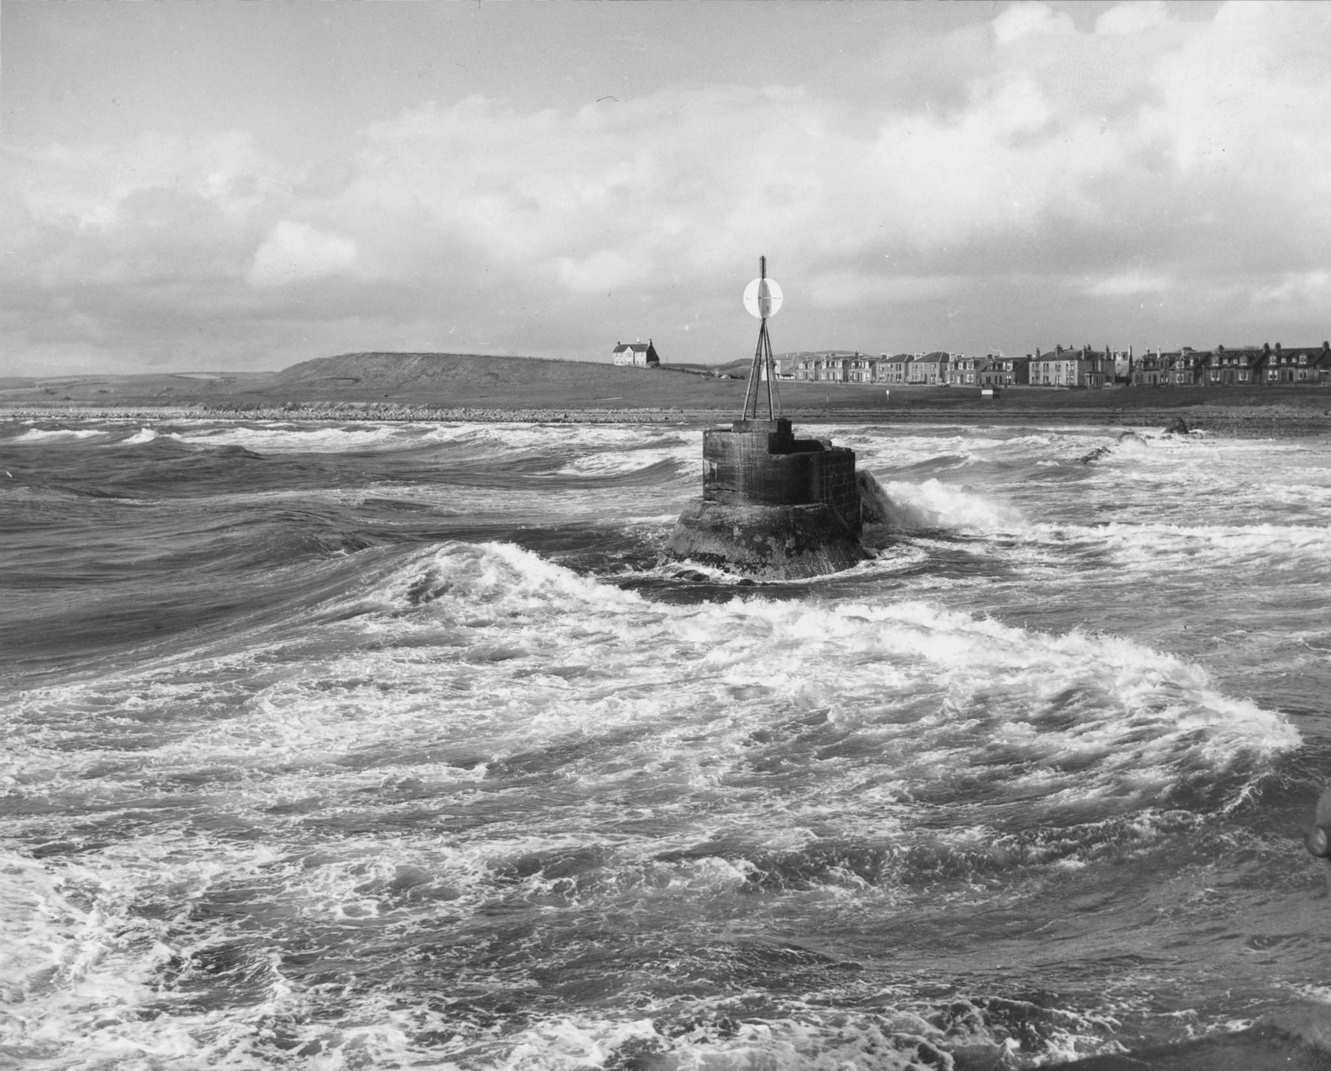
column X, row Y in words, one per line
column 399, row 745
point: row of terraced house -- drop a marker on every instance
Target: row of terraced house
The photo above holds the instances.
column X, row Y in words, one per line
column 1060, row 367
column 1222, row 366
column 1071, row 366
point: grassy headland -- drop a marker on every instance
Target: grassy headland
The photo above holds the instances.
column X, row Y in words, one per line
column 447, row 386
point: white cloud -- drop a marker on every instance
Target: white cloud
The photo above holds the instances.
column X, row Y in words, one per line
column 1296, row 289
column 1128, row 284
column 1132, row 17
column 601, row 272
column 1152, row 151
column 295, row 252
column 867, row 290
column 1031, row 19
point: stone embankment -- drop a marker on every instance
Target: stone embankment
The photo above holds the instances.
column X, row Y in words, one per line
column 1256, row 420
column 355, row 412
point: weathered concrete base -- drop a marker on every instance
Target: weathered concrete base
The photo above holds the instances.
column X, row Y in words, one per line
column 766, row 542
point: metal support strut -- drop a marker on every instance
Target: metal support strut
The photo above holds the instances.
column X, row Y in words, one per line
column 763, row 362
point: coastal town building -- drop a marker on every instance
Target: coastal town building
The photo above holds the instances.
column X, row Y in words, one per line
column 860, row 368
column 1185, row 367
column 1069, row 367
column 1302, row 365
column 1122, row 366
column 1234, row 366
column 822, row 367
column 1149, row 369
column 929, row 370
column 837, row 366
column 999, row 371
column 1240, row 366
column 636, row 354
column 964, row 371
column 892, row 370
column 1072, row 367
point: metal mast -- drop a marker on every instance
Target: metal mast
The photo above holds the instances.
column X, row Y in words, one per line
column 767, row 300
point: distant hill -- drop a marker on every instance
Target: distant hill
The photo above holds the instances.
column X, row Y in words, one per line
column 425, row 380
column 431, row 369
column 466, row 379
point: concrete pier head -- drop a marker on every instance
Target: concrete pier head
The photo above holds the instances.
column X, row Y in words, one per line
column 773, row 506
column 760, row 462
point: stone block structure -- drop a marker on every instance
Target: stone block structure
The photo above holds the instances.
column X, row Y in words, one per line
column 773, row 506
column 760, row 462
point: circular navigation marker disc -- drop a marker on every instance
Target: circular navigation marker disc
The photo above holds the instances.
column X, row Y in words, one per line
column 762, row 298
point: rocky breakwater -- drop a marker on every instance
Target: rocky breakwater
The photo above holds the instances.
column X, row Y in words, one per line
column 773, row 507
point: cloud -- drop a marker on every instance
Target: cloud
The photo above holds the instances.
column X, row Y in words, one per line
column 296, row 252
column 604, row 270
column 847, row 290
column 1133, row 17
column 1128, row 284
column 1045, row 177
column 1028, row 19
column 1296, row 289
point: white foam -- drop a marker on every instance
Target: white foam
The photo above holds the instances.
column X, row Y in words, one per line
column 568, row 438
column 616, row 463
column 74, row 948
column 722, row 1038
column 1146, row 546
column 46, row 436
column 299, row 438
column 933, row 505
column 494, row 645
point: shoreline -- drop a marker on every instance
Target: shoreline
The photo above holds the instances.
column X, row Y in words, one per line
column 1275, row 420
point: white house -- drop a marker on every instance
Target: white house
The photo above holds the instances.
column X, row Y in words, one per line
column 636, row 354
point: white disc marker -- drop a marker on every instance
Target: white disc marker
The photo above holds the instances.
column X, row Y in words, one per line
column 762, row 298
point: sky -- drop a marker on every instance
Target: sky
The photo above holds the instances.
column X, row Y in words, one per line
column 241, row 186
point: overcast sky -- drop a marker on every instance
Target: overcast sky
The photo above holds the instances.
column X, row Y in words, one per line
column 223, row 185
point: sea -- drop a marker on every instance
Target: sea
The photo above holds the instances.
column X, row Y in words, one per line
column 402, row 745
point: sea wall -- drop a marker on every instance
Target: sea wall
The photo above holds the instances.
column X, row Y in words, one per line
column 354, row 412
column 1272, row 420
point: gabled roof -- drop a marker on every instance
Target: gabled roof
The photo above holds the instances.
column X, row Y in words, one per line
column 1074, row 355
column 1310, row 351
column 636, row 347
column 1247, row 354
